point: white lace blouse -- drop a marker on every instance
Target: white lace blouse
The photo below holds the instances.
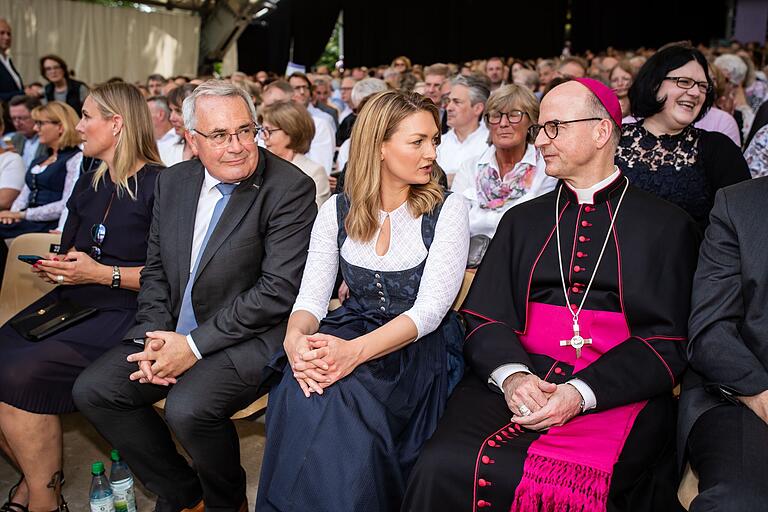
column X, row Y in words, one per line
column 443, row 272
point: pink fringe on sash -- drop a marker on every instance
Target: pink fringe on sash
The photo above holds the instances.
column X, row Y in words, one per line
column 551, row 485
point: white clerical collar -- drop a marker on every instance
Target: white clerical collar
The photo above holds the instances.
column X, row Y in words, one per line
column 587, row 195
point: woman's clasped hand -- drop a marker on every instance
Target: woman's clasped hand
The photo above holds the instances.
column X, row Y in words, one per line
column 320, row 360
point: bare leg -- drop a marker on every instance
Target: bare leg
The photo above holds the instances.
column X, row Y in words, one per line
column 36, row 441
column 21, row 496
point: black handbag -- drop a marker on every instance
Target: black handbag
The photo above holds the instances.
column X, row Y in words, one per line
column 51, row 319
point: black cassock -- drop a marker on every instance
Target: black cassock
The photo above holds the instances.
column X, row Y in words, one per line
column 618, row 456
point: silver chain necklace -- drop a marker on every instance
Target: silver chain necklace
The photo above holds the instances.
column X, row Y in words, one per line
column 577, row 342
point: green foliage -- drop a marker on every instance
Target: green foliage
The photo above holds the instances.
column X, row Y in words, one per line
column 332, row 50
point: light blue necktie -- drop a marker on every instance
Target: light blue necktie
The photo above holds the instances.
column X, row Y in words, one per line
column 187, row 320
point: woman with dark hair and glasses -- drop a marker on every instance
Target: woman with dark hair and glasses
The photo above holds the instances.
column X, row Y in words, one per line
column 61, row 87
column 663, row 153
column 103, row 249
column 511, row 170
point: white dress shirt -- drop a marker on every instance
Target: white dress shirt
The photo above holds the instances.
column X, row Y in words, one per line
column 171, row 150
column 452, row 152
column 169, row 136
column 443, row 272
column 484, row 221
column 209, row 196
column 500, row 374
column 323, row 144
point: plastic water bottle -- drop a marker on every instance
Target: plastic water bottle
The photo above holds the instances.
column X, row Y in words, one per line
column 121, row 480
column 101, row 493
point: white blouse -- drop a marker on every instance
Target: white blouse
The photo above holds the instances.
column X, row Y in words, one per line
column 443, row 272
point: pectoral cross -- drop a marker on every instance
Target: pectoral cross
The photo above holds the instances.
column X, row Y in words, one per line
column 577, row 341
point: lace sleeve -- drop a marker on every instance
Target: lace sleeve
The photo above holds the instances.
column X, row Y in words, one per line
column 444, row 270
column 52, row 211
column 322, row 263
column 21, row 200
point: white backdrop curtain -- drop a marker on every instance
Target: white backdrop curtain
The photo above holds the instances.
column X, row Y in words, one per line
column 99, row 42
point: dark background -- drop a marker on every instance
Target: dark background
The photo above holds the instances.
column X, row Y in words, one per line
column 429, row 31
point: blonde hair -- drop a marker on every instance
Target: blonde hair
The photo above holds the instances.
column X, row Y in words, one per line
column 378, row 121
column 65, row 116
column 294, row 120
column 136, row 140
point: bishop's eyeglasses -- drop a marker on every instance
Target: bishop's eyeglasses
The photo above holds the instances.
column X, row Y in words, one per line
column 551, row 128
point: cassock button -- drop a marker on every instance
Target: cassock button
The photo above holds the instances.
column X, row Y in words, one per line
column 492, row 443
column 383, row 308
column 580, row 254
column 573, row 307
column 583, row 239
column 381, row 293
column 378, row 285
column 558, row 370
column 575, row 289
column 483, row 503
column 483, row 483
column 588, row 209
column 578, row 268
column 586, row 224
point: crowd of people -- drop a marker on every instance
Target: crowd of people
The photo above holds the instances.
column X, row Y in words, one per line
column 605, row 205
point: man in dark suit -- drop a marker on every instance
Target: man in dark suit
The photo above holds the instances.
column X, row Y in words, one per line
column 724, row 404
column 10, row 80
column 227, row 247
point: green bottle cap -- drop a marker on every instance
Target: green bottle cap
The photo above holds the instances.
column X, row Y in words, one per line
column 114, row 455
column 97, row 468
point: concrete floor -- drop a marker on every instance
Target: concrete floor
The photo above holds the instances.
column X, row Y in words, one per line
column 83, row 445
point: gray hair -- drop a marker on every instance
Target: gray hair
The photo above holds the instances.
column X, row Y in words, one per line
column 478, row 89
column 219, row 88
column 365, row 88
column 546, row 63
column 161, row 102
column 529, row 77
column 733, row 66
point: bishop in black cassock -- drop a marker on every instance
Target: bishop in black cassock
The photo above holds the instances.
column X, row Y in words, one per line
column 573, row 353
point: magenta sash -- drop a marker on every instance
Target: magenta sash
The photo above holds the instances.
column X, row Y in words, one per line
column 570, row 467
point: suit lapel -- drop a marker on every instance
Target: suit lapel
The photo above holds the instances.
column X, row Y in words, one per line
column 237, row 207
column 188, row 197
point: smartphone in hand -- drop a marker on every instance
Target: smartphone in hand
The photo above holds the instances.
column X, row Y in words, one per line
column 30, row 258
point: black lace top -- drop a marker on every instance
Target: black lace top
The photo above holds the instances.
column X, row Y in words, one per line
column 685, row 169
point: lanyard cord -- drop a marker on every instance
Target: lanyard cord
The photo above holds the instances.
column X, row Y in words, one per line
column 599, row 259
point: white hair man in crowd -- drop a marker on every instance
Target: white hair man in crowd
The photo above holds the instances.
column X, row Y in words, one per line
column 165, row 134
column 735, row 70
column 468, row 136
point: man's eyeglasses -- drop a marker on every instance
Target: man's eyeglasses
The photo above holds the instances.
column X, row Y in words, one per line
column 20, row 119
column 551, row 128
column 688, row 83
column 513, row 116
column 220, row 139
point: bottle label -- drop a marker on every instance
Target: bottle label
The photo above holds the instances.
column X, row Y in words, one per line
column 102, row 504
column 125, row 499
